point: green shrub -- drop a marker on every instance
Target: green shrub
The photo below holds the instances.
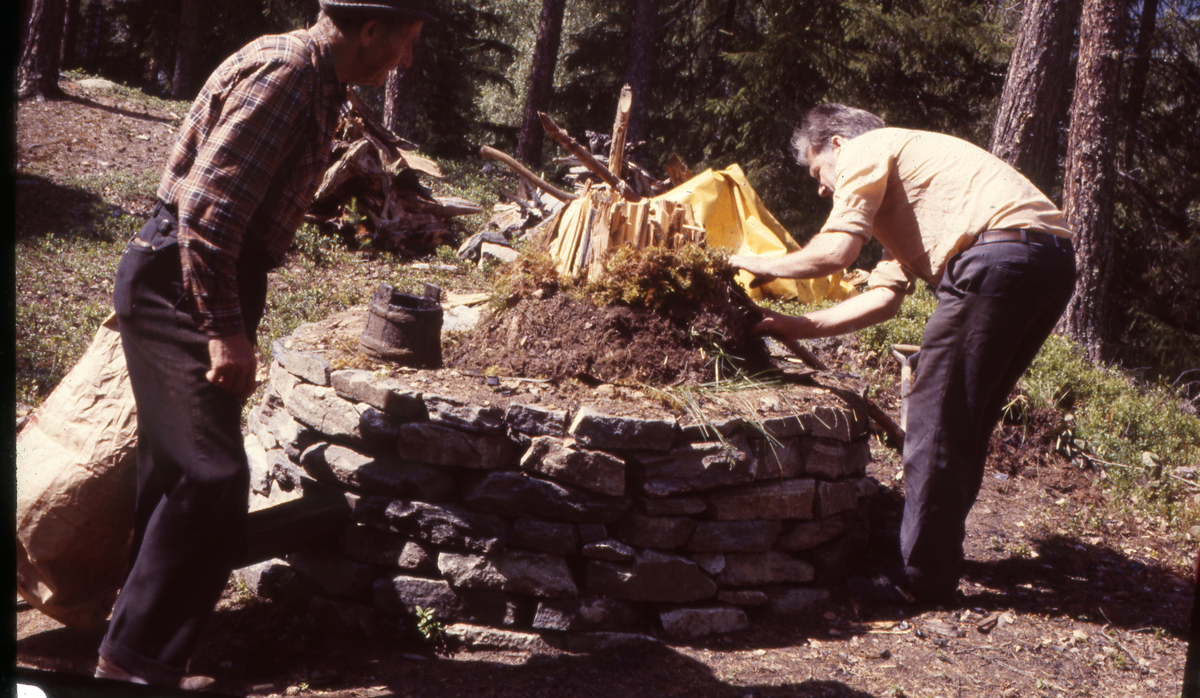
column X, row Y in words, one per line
column 1118, row 420
column 1115, row 418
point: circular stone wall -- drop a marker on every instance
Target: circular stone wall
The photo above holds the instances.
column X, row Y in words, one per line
column 596, row 515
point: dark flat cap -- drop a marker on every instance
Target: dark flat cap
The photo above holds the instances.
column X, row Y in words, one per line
column 393, row 10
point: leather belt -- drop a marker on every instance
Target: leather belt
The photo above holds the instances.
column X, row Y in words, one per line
column 1029, row 237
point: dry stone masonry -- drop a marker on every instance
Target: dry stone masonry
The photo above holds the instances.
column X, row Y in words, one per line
column 588, row 528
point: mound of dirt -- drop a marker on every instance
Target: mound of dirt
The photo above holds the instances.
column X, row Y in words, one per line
column 559, row 336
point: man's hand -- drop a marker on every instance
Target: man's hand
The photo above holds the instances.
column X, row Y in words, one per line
column 783, row 326
column 233, row 365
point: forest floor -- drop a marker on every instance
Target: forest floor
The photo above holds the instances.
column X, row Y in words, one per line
column 1062, row 596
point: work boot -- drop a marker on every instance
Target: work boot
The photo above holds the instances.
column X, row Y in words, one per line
column 196, row 683
column 107, row 670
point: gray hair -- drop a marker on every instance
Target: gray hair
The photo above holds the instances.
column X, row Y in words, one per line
column 825, row 121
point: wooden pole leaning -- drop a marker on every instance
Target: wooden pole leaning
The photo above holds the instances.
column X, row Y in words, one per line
column 586, row 159
column 491, row 153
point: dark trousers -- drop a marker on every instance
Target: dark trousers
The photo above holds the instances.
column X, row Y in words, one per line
column 193, row 479
column 997, row 304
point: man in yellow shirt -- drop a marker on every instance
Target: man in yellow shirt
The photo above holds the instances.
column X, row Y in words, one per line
column 999, row 254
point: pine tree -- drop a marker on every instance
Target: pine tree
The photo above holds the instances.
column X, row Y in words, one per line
column 401, row 98
column 1137, row 77
column 185, row 54
column 37, row 73
column 638, row 75
column 1090, row 179
column 541, row 81
column 1035, row 100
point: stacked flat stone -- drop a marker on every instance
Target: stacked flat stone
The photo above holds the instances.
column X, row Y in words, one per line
column 578, row 525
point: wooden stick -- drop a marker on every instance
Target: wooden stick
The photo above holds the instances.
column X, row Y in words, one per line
column 616, row 154
column 803, row 354
column 492, row 154
column 564, row 139
column 373, row 124
column 875, row 412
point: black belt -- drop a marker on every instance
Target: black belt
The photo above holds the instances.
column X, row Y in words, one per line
column 1029, row 237
column 252, row 257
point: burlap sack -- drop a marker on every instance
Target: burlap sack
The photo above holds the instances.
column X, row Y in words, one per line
column 76, row 485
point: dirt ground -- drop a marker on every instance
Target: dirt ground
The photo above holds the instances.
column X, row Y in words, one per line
column 1060, row 598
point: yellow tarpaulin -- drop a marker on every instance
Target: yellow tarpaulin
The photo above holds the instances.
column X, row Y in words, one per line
column 735, row 219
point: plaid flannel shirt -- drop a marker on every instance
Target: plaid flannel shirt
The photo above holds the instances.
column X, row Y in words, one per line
column 248, row 161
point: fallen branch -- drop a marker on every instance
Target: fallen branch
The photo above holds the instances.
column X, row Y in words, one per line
column 372, row 123
column 803, row 354
column 894, row 433
column 586, row 159
column 491, row 153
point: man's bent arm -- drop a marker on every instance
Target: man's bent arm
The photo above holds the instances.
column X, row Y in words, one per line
column 872, row 307
column 825, row 254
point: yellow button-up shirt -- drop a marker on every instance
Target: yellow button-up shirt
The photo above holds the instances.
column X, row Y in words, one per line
column 925, row 197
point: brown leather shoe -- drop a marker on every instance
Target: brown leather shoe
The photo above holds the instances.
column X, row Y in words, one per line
column 107, row 670
column 196, row 683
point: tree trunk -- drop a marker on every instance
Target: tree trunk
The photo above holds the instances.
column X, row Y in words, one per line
column 541, row 81
column 70, row 34
column 23, row 27
column 400, row 98
column 93, row 29
column 641, row 65
column 1034, row 104
column 1138, row 71
column 37, row 73
column 1096, row 130
column 185, row 51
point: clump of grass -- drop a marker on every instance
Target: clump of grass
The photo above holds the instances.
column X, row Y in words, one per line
column 136, row 96
column 646, row 277
column 654, row 276
column 533, row 274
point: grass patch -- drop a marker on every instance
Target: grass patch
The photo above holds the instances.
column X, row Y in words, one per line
column 1117, row 422
column 58, row 312
column 1116, row 418
column 69, row 240
column 83, row 206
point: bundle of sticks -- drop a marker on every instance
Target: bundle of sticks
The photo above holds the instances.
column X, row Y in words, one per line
column 598, row 218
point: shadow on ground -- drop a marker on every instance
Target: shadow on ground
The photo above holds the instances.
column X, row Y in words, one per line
column 1070, row 577
column 265, row 649
column 45, row 207
column 92, row 104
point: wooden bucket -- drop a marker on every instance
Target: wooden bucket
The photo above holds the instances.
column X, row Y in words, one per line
column 404, row 328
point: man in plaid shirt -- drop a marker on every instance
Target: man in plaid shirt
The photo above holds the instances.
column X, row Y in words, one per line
column 189, row 294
